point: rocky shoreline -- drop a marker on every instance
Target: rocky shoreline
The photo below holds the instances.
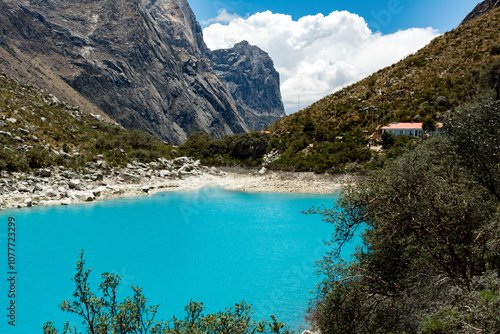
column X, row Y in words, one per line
column 61, row 186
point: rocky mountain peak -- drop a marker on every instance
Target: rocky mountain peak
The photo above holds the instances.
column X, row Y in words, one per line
column 480, row 9
column 254, row 83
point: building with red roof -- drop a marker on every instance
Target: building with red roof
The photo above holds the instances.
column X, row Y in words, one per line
column 407, row 129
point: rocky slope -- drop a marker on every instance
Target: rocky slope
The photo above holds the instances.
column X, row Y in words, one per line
column 480, row 9
column 250, row 76
column 142, row 62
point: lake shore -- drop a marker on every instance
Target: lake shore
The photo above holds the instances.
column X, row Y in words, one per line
column 59, row 186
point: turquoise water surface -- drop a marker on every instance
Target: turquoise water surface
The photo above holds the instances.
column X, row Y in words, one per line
column 211, row 246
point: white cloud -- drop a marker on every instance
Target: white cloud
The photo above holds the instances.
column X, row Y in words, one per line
column 223, row 17
column 318, row 55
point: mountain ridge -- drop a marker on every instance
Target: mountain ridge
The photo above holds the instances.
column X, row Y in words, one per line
column 143, row 63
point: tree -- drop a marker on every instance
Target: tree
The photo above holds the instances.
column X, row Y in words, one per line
column 475, row 131
column 105, row 314
column 427, row 227
column 388, row 139
column 429, row 125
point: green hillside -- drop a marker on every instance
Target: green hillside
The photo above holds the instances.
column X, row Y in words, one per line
column 38, row 130
column 452, row 70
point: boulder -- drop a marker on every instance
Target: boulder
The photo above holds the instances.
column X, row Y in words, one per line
column 23, row 188
column 85, row 196
column 165, row 173
column 75, row 184
column 67, row 174
column 45, row 172
column 128, row 177
column 49, row 192
column 182, row 161
column 102, row 164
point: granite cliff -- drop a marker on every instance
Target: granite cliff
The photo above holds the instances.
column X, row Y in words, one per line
column 141, row 62
column 250, row 76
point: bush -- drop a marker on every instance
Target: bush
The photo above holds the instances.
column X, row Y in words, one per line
column 39, row 157
column 11, row 162
column 251, row 145
column 388, row 140
column 495, row 50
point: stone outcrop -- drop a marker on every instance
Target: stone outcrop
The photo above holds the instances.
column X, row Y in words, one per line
column 254, row 83
column 480, row 9
column 142, row 62
column 65, row 186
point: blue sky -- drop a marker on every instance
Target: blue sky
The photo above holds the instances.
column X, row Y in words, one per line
column 387, row 16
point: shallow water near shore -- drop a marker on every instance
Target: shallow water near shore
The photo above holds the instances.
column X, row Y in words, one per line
column 213, row 246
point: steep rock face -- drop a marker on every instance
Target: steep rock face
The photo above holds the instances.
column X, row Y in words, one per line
column 130, row 58
column 250, row 76
column 480, row 9
column 178, row 21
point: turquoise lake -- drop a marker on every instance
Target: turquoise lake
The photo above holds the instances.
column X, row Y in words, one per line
column 211, row 246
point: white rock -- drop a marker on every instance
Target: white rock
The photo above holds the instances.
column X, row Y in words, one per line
column 98, row 192
column 75, row 184
column 23, row 188
column 50, row 192
column 263, row 170
column 85, row 196
column 45, row 172
column 165, row 173
column 129, row 177
column 182, row 161
column 28, row 202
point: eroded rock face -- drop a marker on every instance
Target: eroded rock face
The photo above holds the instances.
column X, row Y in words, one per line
column 480, row 9
column 143, row 62
column 254, row 83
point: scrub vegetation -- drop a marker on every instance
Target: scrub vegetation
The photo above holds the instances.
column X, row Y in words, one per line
column 37, row 130
column 430, row 224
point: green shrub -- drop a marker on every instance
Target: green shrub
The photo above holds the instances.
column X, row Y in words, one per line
column 11, row 162
column 39, row 157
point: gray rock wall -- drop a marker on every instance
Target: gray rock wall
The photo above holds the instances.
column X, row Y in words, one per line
column 254, row 83
column 141, row 71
